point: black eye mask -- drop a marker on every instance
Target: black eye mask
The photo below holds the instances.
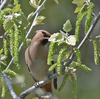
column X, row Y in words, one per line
column 44, row 34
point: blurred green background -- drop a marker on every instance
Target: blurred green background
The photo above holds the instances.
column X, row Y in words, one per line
column 88, row 84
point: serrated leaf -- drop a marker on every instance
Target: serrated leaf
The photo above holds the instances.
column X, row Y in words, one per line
column 67, row 26
column 7, row 24
column 56, row 1
column 1, row 51
column 56, row 37
column 39, row 20
column 71, row 40
column 16, row 9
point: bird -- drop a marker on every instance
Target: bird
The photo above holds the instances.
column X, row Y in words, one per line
column 36, row 59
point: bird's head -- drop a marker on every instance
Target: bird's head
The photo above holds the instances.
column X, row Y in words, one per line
column 42, row 36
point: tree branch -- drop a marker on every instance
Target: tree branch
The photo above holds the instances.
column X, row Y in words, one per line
column 41, row 83
column 10, row 88
column 83, row 41
column 4, row 4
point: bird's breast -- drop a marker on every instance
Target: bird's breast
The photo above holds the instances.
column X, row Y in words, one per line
column 40, row 69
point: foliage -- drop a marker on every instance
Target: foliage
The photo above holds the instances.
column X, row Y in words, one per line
column 85, row 8
column 15, row 24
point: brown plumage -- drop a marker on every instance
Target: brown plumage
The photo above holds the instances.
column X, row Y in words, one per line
column 36, row 58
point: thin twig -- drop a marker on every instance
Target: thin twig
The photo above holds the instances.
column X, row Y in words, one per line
column 38, row 8
column 39, row 84
column 10, row 88
column 4, row 4
column 89, row 31
column 83, row 41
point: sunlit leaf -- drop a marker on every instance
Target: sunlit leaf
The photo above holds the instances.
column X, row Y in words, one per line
column 56, row 37
column 39, row 20
column 34, row 3
column 1, row 51
column 16, row 9
column 77, row 9
column 80, row 4
column 67, row 26
column 71, row 40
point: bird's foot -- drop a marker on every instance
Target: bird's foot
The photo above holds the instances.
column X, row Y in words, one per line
column 36, row 84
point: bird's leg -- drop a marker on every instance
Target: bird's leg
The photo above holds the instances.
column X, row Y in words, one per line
column 36, row 84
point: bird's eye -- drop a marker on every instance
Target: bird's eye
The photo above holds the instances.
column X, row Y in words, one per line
column 44, row 34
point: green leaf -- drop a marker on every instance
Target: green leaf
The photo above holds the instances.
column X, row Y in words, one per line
column 20, row 19
column 56, row 1
column 39, row 20
column 56, row 37
column 1, row 51
column 67, row 26
column 16, row 9
column 71, row 40
column 7, row 24
column 39, row 2
column 80, row 4
column 30, row 15
column 34, row 3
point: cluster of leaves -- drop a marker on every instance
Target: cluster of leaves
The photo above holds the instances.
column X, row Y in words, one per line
column 86, row 10
column 14, row 23
column 68, row 41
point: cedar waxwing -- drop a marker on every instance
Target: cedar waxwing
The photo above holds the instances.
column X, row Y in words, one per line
column 36, row 59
